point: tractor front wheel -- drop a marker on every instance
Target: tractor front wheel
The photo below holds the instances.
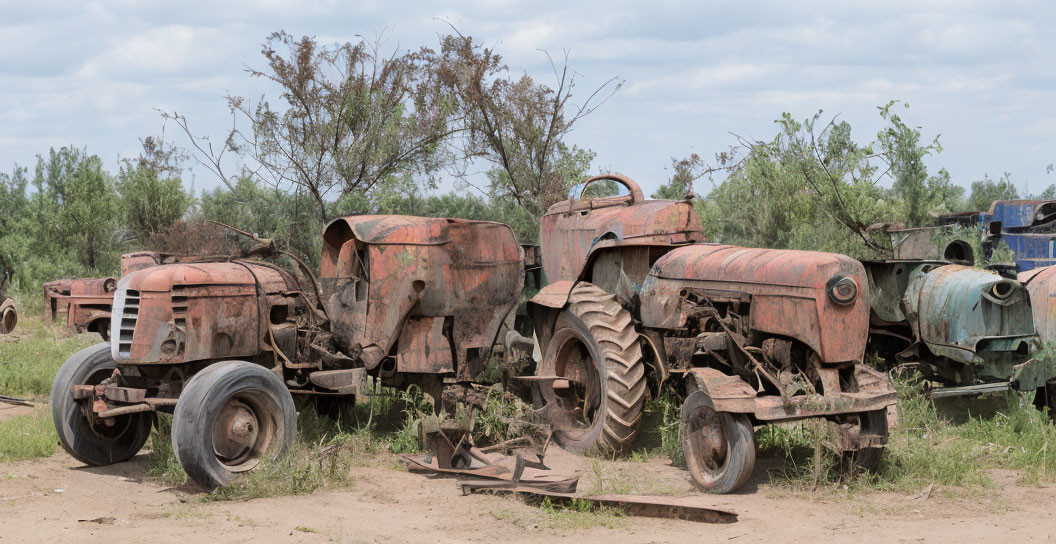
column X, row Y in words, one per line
column 719, row 446
column 231, row 416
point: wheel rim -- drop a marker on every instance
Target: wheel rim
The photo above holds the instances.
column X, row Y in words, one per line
column 578, row 404
column 243, row 430
column 708, row 446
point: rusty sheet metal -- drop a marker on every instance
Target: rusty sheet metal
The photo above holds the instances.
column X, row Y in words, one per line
column 8, row 315
column 573, row 230
column 1041, row 285
column 732, row 394
column 683, row 508
column 379, row 271
column 973, row 316
column 191, row 312
column 423, row 347
column 788, row 290
column 130, row 262
column 554, row 295
column 82, row 303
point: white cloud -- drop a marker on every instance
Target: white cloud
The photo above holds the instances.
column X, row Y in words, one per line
column 92, row 73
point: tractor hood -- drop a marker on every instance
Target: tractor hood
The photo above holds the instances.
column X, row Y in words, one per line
column 806, row 295
column 186, row 312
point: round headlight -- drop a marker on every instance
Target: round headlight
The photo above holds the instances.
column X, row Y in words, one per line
column 842, row 290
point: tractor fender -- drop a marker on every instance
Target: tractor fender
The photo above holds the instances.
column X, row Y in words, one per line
column 727, row 393
column 554, row 295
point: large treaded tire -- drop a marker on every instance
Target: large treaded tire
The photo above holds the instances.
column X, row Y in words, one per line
column 596, row 319
column 99, row 445
column 204, row 400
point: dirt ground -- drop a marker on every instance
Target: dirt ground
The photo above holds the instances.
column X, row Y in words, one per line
column 58, row 500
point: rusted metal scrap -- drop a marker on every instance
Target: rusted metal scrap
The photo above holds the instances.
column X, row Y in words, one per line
column 405, row 301
column 683, row 508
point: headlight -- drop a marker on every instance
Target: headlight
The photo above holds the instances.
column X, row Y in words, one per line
column 842, row 290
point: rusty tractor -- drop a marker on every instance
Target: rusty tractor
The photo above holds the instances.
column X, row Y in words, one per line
column 746, row 336
column 228, row 345
column 969, row 330
column 83, row 304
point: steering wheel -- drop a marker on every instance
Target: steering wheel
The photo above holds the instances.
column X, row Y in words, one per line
column 632, row 188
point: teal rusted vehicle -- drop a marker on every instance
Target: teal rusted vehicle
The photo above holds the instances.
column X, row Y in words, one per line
column 966, row 328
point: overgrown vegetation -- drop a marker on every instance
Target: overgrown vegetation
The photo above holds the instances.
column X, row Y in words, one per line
column 28, row 365
column 28, row 436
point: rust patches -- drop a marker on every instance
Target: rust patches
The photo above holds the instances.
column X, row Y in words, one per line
column 788, row 293
column 385, row 274
column 572, row 231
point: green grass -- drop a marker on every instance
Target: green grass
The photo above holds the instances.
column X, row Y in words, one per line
column 28, row 437
column 924, row 448
column 29, row 363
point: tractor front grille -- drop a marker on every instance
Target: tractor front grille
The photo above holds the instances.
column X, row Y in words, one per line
column 129, row 312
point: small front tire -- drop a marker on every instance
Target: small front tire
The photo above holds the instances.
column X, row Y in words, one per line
column 229, row 417
column 719, row 446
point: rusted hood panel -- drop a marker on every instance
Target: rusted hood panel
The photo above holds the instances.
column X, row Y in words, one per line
column 956, row 309
column 162, row 278
column 787, row 289
column 569, row 234
column 188, row 312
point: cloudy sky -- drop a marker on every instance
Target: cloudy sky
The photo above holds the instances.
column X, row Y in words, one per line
column 981, row 74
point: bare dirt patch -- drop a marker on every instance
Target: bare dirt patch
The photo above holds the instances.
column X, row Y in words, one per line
column 56, row 499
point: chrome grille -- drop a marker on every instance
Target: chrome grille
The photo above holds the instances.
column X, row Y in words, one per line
column 129, row 314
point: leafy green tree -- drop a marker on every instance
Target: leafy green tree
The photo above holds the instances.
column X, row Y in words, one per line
column 987, row 190
column 75, row 206
column 920, row 195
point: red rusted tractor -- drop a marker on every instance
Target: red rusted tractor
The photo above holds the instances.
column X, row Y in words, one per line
column 747, row 336
column 227, row 345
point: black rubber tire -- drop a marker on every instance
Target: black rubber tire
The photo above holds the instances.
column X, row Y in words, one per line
column 201, row 403
column 739, row 443
column 598, row 322
column 867, row 459
column 94, row 446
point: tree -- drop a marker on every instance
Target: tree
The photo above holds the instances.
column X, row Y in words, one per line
column 921, row 195
column 684, row 173
column 74, row 208
column 152, row 195
column 517, row 124
column 987, row 190
column 350, row 117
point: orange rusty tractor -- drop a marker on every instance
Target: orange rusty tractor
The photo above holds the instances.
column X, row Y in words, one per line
column 746, row 336
column 228, row 344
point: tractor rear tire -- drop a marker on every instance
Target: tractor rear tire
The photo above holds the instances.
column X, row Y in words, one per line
column 719, row 446
column 90, row 441
column 229, row 418
column 596, row 345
